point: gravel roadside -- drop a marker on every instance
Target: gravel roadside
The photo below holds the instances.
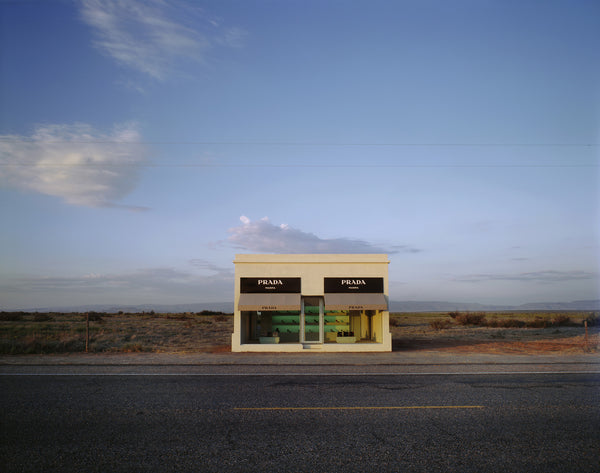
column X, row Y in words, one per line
column 307, row 359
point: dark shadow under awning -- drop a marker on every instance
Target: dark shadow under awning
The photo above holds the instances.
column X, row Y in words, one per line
column 355, row 302
column 269, row 302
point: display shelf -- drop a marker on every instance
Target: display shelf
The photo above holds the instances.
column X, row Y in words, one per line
column 334, row 322
column 288, row 325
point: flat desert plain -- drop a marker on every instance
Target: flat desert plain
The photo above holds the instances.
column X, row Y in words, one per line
column 491, row 332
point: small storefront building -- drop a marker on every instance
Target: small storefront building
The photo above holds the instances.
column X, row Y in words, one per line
column 311, row 302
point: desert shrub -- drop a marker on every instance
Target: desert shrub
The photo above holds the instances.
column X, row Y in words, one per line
column 510, row 323
column 504, row 323
column 440, row 324
column 470, row 319
column 454, row 314
column 222, row 318
column 40, row 345
column 538, row 322
column 212, row 312
column 394, row 322
column 11, row 316
column 93, row 316
column 42, row 318
column 592, row 320
column 133, row 348
column 176, row 317
column 9, row 347
column 561, row 321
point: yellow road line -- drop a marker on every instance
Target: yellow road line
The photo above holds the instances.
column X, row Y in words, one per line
column 351, row 408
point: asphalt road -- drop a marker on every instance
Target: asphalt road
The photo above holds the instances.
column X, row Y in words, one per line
column 546, row 422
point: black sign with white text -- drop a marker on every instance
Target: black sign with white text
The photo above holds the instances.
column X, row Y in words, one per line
column 269, row 285
column 353, row 284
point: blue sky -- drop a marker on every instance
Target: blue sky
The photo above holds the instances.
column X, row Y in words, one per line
column 144, row 143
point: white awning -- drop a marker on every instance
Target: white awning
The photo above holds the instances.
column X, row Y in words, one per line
column 355, row 302
column 265, row 302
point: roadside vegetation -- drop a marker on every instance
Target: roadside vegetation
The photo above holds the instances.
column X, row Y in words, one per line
column 524, row 321
column 551, row 331
column 29, row 333
column 444, row 320
column 208, row 331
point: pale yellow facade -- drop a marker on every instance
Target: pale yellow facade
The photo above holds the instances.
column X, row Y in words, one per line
column 359, row 322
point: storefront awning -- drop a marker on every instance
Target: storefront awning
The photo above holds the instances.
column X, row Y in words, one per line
column 269, row 302
column 355, row 302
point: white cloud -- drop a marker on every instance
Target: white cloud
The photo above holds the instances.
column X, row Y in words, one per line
column 155, row 36
column 263, row 236
column 74, row 162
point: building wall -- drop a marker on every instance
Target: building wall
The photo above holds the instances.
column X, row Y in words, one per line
column 312, row 269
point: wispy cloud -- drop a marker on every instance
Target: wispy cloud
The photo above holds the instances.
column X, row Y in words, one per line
column 159, row 281
column 404, row 249
column 263, row 236
column 156, row 285
column 542, row 277
column 75, row 162
column 217, row 271
column 154, row 37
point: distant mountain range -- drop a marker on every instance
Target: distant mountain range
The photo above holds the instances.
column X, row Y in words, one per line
column 443, row 306
column 395, row 306
column 226, row 307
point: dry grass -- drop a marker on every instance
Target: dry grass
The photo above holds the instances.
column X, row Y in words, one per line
column 438, row 324
column 499, row 332
column 468, row 318
column 23, row 333
column 62, row 333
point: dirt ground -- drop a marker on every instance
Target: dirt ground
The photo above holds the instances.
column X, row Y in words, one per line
column 186, row 333
column 482, row 340
column 497, row 341
column 418, row 335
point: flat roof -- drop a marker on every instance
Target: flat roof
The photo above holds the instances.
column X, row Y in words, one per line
column 312, row 258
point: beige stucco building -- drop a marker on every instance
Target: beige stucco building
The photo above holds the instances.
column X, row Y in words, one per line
column 316, row 302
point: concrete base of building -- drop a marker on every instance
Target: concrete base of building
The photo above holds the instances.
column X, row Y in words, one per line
column 359, row 347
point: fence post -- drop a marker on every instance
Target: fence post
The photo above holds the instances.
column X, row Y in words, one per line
column 87, row 331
